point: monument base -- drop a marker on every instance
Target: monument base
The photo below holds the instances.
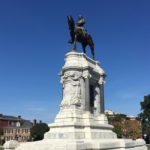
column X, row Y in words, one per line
column 79, row 130
column 66, row 144
column 78, row 124
column 82, row 144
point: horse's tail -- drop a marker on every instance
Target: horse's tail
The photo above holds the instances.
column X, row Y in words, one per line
column 71, row 25
column 91, row 44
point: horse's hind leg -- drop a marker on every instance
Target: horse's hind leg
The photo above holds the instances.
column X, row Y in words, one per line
column 83, row 47
column 84, row 51
column 92, row 51
column 74, row 43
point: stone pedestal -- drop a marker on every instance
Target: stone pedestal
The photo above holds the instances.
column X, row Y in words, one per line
column 81, row 123
column 10, row 145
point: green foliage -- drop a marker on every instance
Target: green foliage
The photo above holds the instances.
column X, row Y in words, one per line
column 116, row 122
column 38, row 130
column 118, row 130
column 1, row 131
column 115, row 118
column 145, row 114
column 1, row 135
column 148, row 146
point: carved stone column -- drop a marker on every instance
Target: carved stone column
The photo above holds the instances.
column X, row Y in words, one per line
column 102, row 105
column 82, row 81
column 87, row 94
column 97, row 100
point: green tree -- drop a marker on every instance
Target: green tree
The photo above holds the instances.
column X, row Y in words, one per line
column 118, row 130
column 1, row 131
column 145, row 115
column 1, row 135
column 116, row 121
column 38, row 130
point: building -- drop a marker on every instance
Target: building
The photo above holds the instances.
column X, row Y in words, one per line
column 6, row 120
column 19, row 131
column 15, row 128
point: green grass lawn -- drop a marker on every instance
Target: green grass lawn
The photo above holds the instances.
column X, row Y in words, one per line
column 148, row 147
column 1, row 148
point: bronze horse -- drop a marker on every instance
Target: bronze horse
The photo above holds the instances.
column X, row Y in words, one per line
column 79, row 34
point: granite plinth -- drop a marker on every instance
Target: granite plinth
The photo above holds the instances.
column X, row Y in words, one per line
column 84, row 144
column 79, row 130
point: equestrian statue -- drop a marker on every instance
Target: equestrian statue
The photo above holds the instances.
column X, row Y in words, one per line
column 79, row 34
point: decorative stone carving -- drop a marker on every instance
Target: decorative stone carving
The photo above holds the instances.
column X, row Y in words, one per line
column 101, row 80
column 97, row 100
column 71, row 88
column 86, row 74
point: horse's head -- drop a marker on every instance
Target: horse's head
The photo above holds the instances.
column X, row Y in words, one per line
column 71, row 25
column 69, row 17
column 70, row 21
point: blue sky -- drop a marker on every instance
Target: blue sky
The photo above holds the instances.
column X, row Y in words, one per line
column 33, row 43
